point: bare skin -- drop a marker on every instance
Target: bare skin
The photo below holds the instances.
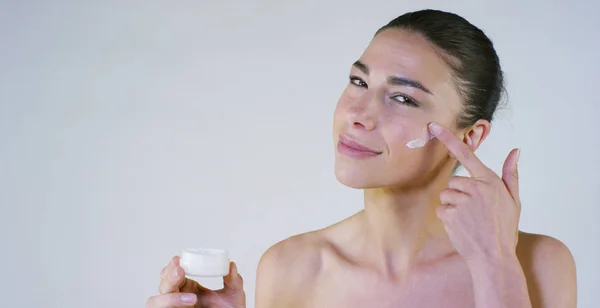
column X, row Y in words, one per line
column 326, row 268
column 425, row 238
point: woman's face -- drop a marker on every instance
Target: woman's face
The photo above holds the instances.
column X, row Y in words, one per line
column 397, row 87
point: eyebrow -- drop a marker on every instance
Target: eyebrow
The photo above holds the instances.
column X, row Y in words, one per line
column 394, row 80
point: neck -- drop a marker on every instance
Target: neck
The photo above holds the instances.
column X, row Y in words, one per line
column 401, row 227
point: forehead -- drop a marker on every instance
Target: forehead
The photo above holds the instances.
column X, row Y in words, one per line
column 401, row 52
column 397, row 52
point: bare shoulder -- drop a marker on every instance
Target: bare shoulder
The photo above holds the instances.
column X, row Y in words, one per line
column 302, row 248
column 287, row 268
column 538, row 251
column 550, row 270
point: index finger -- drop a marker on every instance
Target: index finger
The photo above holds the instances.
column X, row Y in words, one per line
column 461, row 151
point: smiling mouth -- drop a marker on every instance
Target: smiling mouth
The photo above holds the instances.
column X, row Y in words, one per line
column 354, row 149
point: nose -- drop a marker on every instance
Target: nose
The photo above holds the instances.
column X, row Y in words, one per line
column 363, row 114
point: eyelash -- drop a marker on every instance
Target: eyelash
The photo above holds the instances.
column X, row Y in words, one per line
column 409, row 101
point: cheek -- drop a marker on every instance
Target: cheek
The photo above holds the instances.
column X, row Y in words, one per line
column 400, row 131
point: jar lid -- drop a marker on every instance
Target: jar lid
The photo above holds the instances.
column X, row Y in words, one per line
column 205, row 262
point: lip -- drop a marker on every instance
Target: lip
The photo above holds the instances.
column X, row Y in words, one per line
column 353, row 148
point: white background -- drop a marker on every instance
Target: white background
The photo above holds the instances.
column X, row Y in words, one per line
column 131, row 130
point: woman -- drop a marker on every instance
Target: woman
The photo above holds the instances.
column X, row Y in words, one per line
column 425, row 238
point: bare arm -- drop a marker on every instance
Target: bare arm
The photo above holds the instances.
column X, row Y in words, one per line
column 499, row 282
column 550, row 270
column 541, row 275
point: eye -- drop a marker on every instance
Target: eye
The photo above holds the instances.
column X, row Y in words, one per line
column 405, row 100
column 358, row 82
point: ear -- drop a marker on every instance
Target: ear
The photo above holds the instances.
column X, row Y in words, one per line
column 474, row 135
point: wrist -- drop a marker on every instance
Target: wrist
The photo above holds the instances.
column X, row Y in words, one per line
column 499, row 281
column 494, row 262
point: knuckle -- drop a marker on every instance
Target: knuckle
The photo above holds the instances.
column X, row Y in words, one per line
column 462, row 184
column 444, row 195
column 447, row 193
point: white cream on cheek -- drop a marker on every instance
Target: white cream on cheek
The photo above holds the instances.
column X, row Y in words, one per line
column 424, row 138
column 405, row 127
column 419, row 142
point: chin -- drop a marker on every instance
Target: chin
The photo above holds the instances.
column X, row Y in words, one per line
column 357, row 179
column 373, row 175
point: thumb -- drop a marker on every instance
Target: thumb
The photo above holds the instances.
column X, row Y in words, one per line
column 233, row 280
column 510, row 173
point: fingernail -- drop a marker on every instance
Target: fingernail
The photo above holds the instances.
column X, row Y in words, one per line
column 176, row 273
column 518, row 155
column 188, row 298
column 435, row 128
